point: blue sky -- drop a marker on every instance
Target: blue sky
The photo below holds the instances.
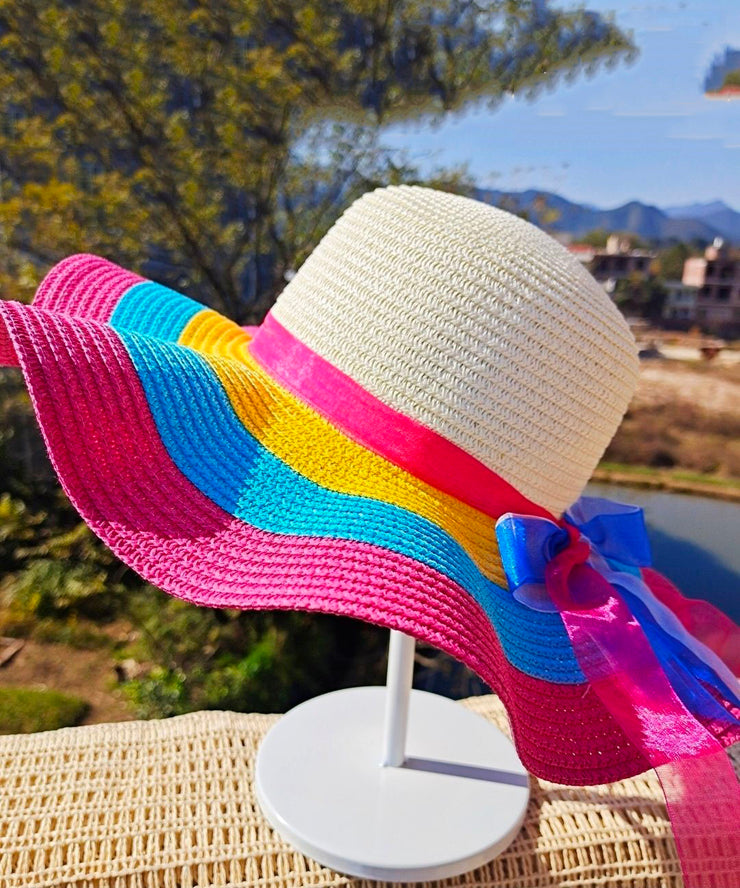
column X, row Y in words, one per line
column 643, row 131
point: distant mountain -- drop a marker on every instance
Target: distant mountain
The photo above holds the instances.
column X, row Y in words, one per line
column 717, row 214
column 638, row 218
column 696, row 210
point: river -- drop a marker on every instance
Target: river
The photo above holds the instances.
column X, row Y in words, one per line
column 695, row 541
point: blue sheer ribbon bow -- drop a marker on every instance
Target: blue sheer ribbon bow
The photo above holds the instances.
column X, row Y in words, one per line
column 619, row 547
column 615, row 531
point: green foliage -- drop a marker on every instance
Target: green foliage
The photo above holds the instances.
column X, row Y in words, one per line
column 52, row 564
column 640, row 296
column 17, row 523
column 211, row 146
column 57, row 580
column 599, row 236
column 671, row 261
column 221, row 141
column 596, row 238
column 160, row 694
column 23, row 710
column 67, row 630
column 656, row 295
column 53, row 588
column 22, row 453
column 245, row 661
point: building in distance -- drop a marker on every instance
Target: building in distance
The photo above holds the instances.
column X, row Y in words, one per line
column 716, row 277
column 615, row 262
column 723, row 78
column 679, row 308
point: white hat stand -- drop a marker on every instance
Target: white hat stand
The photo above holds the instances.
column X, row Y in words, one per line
column 390, row 783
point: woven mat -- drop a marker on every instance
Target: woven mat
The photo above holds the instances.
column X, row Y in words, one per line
column 170, row 804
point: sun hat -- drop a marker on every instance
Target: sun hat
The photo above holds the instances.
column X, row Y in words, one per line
column 404, row 440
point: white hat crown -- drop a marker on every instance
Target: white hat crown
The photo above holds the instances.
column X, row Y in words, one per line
column 476, row 324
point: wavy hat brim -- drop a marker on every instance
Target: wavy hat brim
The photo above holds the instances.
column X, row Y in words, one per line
column 218, row 485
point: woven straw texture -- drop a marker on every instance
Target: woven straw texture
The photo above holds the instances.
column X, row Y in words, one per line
column 171, row 804
column 476, row 324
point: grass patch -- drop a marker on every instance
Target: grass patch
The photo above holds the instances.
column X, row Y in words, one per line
column 676, row 480
column 83, row 636
column 626, row 468
column 696, row 478
column 670, row 474
column 23, row 710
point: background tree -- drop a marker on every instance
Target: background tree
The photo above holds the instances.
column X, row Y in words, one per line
column 596, row 238
column 211, row 145
column 732, row 78
column 671, row 261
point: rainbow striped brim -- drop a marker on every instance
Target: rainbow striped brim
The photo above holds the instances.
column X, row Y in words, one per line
column 203, row 455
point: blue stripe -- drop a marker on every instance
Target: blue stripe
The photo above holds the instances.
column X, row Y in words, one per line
column 154, row 310
column 213, row 449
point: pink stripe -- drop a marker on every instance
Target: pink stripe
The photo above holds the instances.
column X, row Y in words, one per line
column 85, row 286
column 399, row 439
column 120, row 477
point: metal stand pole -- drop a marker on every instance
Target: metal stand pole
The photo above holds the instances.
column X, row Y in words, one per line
column 400, row 678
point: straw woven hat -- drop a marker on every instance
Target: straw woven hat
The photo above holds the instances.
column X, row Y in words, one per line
column 476, row 324
column 434, row 364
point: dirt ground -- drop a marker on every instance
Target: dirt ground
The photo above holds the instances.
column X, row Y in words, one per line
column 87, row 674
column 714, row 389
column 684, row 417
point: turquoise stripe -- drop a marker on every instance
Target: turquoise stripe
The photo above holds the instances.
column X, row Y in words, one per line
column 154, row 310
column 214, row 450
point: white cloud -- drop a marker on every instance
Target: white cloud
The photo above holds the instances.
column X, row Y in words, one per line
column 695, row 137
column 661, row 112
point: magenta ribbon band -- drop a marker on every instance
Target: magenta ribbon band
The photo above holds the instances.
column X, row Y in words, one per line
column 700, row 787
column 368, row 421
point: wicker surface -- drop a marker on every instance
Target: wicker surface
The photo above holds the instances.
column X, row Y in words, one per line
column 170, row 804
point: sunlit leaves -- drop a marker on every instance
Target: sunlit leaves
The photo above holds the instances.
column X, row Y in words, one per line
column 222, row 139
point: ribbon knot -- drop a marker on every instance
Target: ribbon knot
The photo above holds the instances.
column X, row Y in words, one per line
column 590, row 563
column 593, row 530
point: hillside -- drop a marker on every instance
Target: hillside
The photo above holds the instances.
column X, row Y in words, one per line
column 684, row 418
column 649, row 222
column 715, row 214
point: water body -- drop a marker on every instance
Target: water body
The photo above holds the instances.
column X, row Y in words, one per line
column 695, row 541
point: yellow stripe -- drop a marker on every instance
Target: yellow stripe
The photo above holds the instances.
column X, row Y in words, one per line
column 213, row 334
column 312, row 446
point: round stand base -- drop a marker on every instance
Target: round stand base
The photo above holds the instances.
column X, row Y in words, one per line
column 457, row 801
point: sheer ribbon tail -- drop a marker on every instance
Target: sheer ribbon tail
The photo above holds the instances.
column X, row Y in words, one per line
column 702, row 619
